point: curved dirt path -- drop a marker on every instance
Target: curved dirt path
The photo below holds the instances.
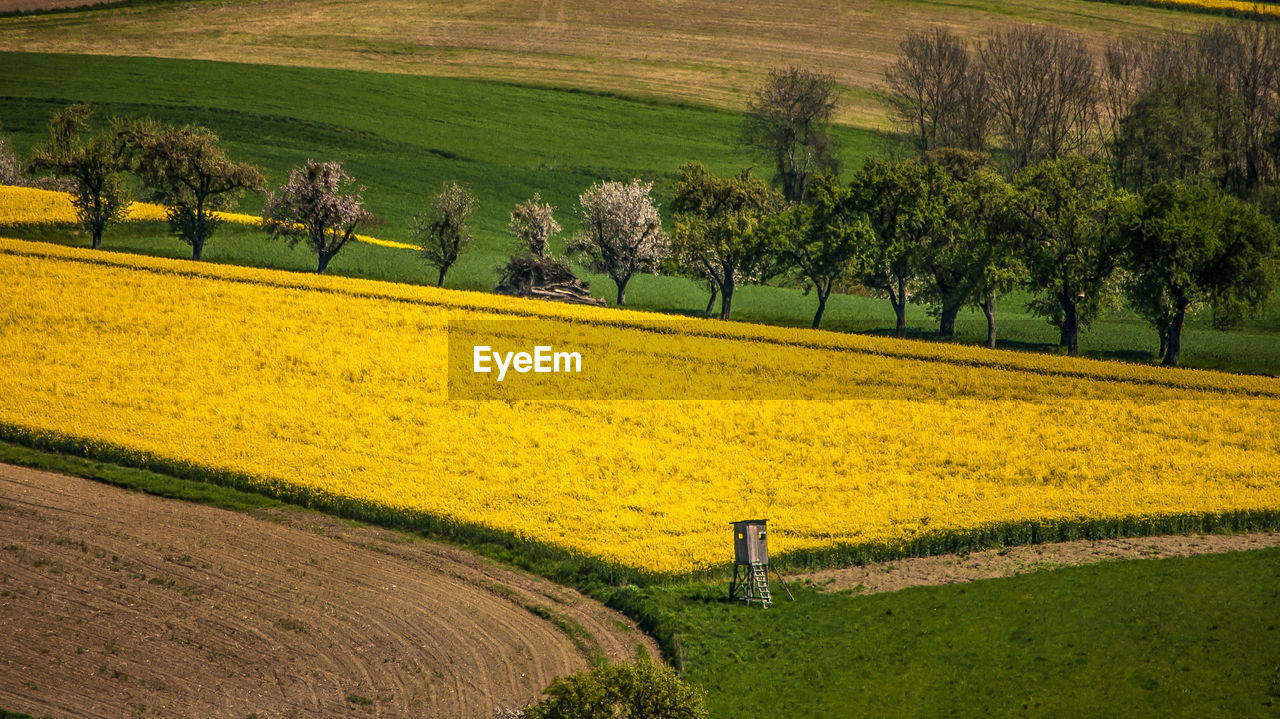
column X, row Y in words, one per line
column 1010, row 561
column 116, row 604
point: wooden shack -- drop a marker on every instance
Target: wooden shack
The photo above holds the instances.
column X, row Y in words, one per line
column 750, row 542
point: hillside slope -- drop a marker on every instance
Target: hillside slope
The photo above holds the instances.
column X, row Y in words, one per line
column 699, row 51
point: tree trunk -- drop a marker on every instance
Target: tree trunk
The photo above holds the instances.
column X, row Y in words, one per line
column 1173, row 351
column 1162, row 328
column 622, row 289
column 823, row 294
column 989, row 309
column 443, row 270
column 197, row 250
column 324, row 261
column 711, row 303
column 900, row 307
column 726, row 297
column 1070, row 327
column 97, row 238
column 947, row 323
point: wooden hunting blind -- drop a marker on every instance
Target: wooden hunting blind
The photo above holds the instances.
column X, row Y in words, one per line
column 751, row 562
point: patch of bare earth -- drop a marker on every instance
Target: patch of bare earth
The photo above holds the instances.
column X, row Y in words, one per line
column 1011, row 561
column 116, row 604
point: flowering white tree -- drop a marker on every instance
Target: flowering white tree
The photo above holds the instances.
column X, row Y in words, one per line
column 318, row 205
column 621, row 232
column 10, row 165
column 534, row 225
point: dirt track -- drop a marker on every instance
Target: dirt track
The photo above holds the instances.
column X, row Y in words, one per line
column 993, row 563
column 117, row 604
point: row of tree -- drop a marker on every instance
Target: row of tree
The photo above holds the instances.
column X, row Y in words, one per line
column 1153, row 219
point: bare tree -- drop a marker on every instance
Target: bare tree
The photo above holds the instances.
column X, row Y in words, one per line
column 788, row 120
column 318, row 205
column 621, row 231
column 1120, row 82
column 534, row 224
column 1244, row 59
column 442, row 231
column 939, row 93
column 1043, row 88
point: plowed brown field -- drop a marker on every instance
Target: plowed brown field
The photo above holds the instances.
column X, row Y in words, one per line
column 115, row 603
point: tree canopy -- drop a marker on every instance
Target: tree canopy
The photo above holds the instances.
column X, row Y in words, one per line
column 100, row 194
column 187, row 170
column 319, row 205
column 1193, row 245
column 1065, row 214
column 821, row 238
column 908, row 205
column 717, row 228
column 621, row 231
column 443, row 231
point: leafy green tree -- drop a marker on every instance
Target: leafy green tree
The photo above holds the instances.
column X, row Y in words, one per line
column 621, row 691
column 821, row 238
column 977, row 262
column 1175, row 131
column 319, row 204
column 185, row 169
column 717, row 228
column 1191, row 245
column 100, row 194
column 908, row 205
column 1064, row 214
column 442, row 231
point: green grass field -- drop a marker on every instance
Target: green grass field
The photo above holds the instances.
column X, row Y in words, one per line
column 1191, row 637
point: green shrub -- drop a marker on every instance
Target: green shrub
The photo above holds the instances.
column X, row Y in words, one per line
column 645, row 690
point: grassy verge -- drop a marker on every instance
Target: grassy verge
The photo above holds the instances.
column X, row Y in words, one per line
column 1183, row 637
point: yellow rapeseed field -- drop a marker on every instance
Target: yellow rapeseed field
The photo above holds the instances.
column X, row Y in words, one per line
column 32, row 206
column 338, row 386
column 1236, row 5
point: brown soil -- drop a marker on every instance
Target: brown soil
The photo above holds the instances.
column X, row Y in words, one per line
column 115, row 604
column 989, row 564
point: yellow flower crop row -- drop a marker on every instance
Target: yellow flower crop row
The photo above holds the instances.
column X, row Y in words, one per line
column 1234, row 5
column 337, row 385
column 21, row 206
